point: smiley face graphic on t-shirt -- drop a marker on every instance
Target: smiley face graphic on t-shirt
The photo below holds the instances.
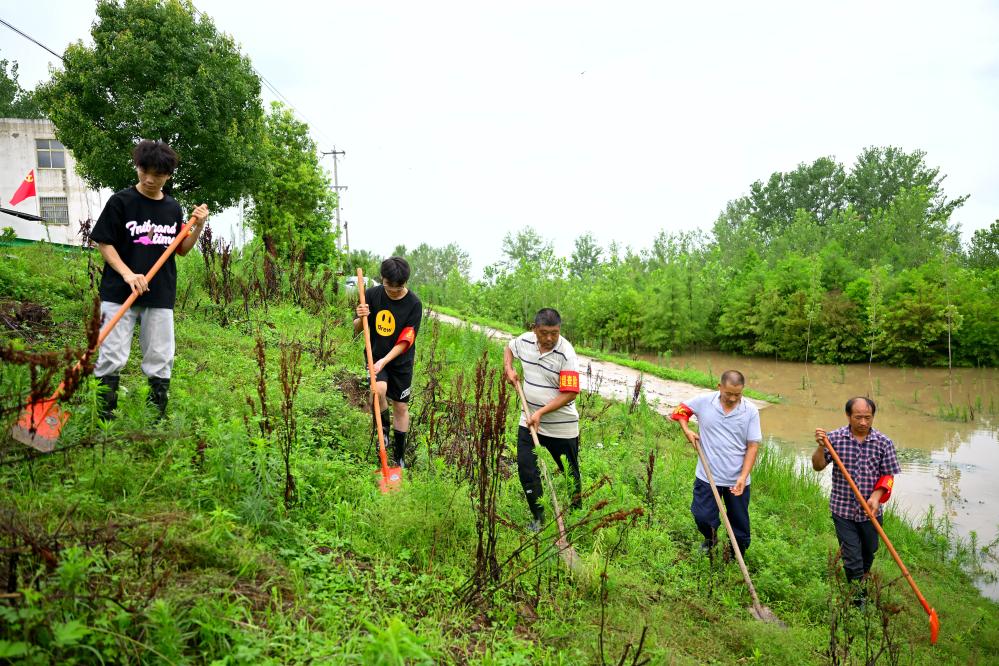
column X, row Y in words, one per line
column 384, row 323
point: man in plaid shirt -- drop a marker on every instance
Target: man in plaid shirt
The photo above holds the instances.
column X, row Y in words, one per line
column 869, row 457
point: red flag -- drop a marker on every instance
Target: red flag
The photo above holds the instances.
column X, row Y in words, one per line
column 26, row 190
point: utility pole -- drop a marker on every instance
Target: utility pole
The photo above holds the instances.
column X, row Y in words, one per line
column 336, row 188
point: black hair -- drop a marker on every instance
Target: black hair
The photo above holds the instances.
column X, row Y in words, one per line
column 395, row 270
column 155, row 157
column 870, row 403
column 547, row 317
column 732, row 378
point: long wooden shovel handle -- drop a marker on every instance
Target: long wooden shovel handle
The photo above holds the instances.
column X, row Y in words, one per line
column 934, row 622
column 728, row 528
column 382, row 456
column 544, row 468
column 185, row 231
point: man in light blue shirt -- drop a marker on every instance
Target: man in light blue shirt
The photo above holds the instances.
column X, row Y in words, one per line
column 730, row 438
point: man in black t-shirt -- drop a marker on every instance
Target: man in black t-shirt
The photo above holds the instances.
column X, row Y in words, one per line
column 133, row 230
column 394, row 314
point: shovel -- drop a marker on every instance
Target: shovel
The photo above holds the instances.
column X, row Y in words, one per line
column 934, row 620
column 565, row 549
column 758, row 610
column 41, row 421
column 389, row 478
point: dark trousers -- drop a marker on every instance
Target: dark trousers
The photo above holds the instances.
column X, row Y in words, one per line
column 705, row 511
column 527, row 464
column 858, row 541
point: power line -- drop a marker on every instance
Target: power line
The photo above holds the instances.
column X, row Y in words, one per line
column 29, row 37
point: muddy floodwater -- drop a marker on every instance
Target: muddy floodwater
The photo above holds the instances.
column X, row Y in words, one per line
column 946, row 428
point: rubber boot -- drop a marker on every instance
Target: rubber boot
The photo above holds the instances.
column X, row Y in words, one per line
column 537, row 518
column 159, row 388
column 107, row 400
column 399, row 447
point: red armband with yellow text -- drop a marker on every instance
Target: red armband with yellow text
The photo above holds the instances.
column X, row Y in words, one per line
column 682, row 413
column 885, row 483
column 407, row 337
column 568, row 381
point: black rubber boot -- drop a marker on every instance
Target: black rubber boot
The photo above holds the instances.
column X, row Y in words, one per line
column 399, row 447
column 107, row 400
column 537, row 518
column 159, row 388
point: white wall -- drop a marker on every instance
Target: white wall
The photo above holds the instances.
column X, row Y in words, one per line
column 17, row 158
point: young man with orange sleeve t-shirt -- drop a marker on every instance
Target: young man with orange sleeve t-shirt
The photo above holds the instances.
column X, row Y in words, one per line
column 394, row 314
column 551, row 384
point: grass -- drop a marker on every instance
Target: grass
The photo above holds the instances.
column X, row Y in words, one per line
column 688, row 375
column 170, row 542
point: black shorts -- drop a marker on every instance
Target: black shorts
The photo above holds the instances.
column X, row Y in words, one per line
column 399, row 380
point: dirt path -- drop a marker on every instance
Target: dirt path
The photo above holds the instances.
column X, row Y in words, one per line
column 614, row 381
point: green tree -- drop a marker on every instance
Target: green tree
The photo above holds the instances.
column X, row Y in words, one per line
column 293, row 204
column 15, row 101
column 527, row 246
column 432, row 265
column 736, row 234
column 367, row 261
column 804, row 235
column 741, row 310
column 156, row 71
column 585, row 256
column 907, row 233
column 975, row 294
column 915, row 318
column 881, row 173
column 818, row 188
column 983, row 252
column 839, row 338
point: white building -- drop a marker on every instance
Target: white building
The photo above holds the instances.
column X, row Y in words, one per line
column 61, row 196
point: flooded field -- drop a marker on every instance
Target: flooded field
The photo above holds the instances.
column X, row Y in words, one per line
column 946, row 428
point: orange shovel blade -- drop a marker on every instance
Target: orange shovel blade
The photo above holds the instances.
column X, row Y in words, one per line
column 40, row 424
column 934, row 626
column 389, row 479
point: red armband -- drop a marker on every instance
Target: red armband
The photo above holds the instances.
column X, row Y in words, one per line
column 568, row 381
column 682, row 413
column 407, row 337
column 885, row 483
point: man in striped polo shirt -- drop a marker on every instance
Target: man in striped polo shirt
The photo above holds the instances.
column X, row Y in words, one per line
column 551, row 384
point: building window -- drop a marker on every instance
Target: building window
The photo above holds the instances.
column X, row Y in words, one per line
column 51, row 154
column 55, row 210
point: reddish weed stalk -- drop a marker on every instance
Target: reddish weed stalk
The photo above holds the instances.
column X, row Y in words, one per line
column 264, row 420
column 488, row 431
column 291, row 379
column 875, row 629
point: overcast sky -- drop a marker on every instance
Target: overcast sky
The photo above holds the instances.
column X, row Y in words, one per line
column 464, row 121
